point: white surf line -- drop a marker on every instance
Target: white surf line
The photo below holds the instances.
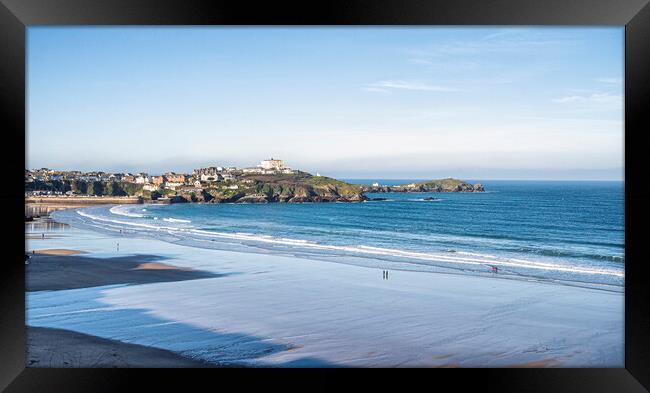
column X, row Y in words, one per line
column 374, row 250
column 118, row 211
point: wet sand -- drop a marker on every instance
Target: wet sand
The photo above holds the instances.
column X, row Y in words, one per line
column 40, row 237
column 57, row 251
column 280, row 311
column 58, row 269
column 58, row 348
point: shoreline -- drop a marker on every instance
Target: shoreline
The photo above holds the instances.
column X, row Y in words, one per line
column 445, row 262
column 295, row 312
column 41, row 209
column 81, row 200
column 66, row 269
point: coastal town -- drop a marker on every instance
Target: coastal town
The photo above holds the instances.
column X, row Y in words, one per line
column 196, row 181
column 269, row 181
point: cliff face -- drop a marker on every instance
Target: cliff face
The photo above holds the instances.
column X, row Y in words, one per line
column 295, row 188
column 442, row 185
column 286, row 188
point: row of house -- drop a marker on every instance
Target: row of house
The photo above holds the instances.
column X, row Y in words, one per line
column 169, row 180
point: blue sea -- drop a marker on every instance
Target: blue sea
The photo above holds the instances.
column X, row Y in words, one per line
column 569, row 233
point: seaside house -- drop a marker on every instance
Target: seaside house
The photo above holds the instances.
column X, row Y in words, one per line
column 211, row 170
column 142, row 178
column 211, row 177
column 251, row 170
column 158, row 180
column 173, row 185
column 175, row 178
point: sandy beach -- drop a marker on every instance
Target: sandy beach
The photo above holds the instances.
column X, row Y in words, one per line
column 60, row 269
column 58, row 348
column 254, row 309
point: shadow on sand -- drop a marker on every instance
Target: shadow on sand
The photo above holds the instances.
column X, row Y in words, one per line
column 59, row 272
column 81, row 310
column 65, row 292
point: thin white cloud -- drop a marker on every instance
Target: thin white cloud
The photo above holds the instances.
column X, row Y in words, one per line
column 610, row 81
column 374, row 89
column 505, row 41
column 405, row 85
column 598, row 98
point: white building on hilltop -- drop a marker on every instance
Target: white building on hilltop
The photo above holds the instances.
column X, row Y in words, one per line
column 272, row 164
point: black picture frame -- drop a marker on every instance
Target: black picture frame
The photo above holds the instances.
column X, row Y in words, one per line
column 16, row 15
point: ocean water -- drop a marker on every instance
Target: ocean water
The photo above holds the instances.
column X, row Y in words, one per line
column 570, row 233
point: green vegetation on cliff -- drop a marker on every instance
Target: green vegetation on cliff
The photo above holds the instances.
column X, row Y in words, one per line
column 253, row 188
column 298, row 187
column 440, row 185
column 444, row 183
column 81, row 187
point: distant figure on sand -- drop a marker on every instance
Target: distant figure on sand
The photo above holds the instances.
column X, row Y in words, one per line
column 118, row 246
column 42, row 236
column 495, row 269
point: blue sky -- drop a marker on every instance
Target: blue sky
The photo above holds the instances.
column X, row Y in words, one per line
column 478, row 103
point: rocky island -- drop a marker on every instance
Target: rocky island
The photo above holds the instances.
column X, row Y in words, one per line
column 271, row 181
column 441, row 185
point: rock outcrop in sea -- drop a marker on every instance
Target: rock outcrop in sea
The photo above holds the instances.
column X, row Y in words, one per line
column 442, row 185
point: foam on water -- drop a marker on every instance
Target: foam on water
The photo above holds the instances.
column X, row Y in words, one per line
column 122, row 210
column 176, row 220
column 466, row 261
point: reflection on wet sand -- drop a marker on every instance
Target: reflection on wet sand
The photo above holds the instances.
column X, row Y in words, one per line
column 37, row 218
column 40, row 210
column 44, row 225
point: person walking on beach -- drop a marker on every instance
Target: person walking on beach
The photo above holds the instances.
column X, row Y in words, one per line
column 118, row 246
column 43, row 236
column 386, row 274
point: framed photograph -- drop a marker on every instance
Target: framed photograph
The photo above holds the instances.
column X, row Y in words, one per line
column 349, row 185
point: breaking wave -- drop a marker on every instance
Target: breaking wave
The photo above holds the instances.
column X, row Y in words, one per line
column 177, row 231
